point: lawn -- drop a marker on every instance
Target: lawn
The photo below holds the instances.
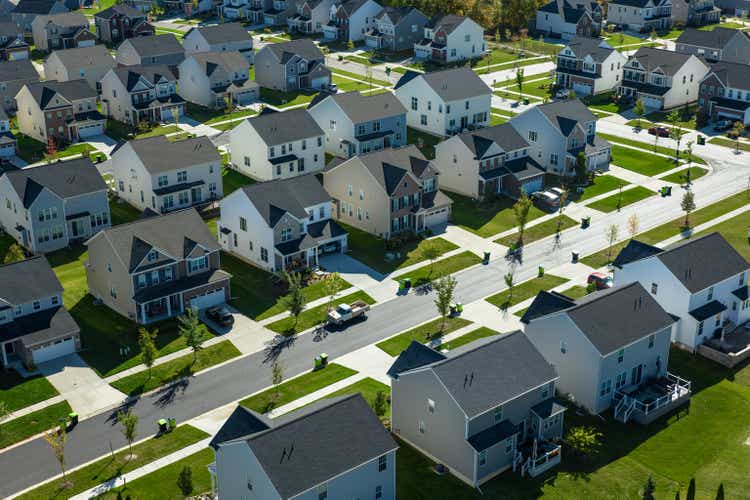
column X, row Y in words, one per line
column 30, row 150
column 602, row 184
column 232, row 180
column 122, row 212
column 539, row 88
column 617, row 200
column 315, row 316
column 680, row 177
column 33, row 423
column 728, row 24
column 357, row 76
column 160, row 130
column 649, row 146
column 497, row 120
column 575, row 292
column 687, row 118
column 640, row 161
column 209, row 116
column 296, row 388
column 285, row 99
column 515, row 64
column 467, row 338
column 539, row 231
column 525, row 290
column 359, row 59
column 369, row 389
column 439, row 268
column 98, row 6
column 604, row 102
column 109, row 467
column 620, row 39
column 18, row 392
column 729, row 143
column 184, row 366
column 424, row 141
column 422, row 334
column 486, row 218
column 734, row 230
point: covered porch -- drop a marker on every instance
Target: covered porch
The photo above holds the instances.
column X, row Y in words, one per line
column 300, row 24
column 79, row 225
column 323, row 237
column 651, row 399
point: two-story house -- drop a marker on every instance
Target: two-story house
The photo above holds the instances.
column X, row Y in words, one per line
column 13, row 47
column 589, row 66
column 641, row 15
column 357, row 124
column 558, row 132
column 725, row 93
column 61, row 111
column 281, row 224
column 278, row 12
column 701, row 282
column 246, row 10
column 719, row 44
column 132, row 94
column 349, row 20
column 7, row 139
column 310, row 16
column 450, row 38
column 445, row 102
column 294, row 65
column 34, row 325
column 48, row 207
column 388, row 192
column 13, row 76
column 227, row 37
column 737, row 8
column 354, row 456
column 662, row 79
column 116, row 23
column 695, row 12
column 25, row 11
column 487, row 162
column 396, row 29
column 67, row 30
column 480, row 409
column 610, row 349
column 565, row 19
column 166, row 175
column 277, row 145
column 151, row 50
column 217, row 80
column 90, row 63
column 157, row 267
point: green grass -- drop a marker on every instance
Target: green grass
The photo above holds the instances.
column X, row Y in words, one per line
column 525, row 290
column 296, row 388
column 620, row 39
column 422, row 334
column 157, row 131
column 497, row 120
column 109, row 467
column 680, row 176
column 358, row 59
column 727, row 24
column 369, row 389
column 649, row 146
column 686, row 118
column 603, row 102
column 729, row 143
column 467, row 338
column 539, row 88
column 122, row 212
column 515, row 64
column 117, row 130
column 602, row 184
column 29, row 149
column 100, row 6
column 440, row 268
column 575, row 292
column 486, row 218
column 358, row 76
column 232, row 180
column 184, row 366
column 164, row 31
column 539, row 231
column 629, row 196
column 211, row 116
column 640, row 161
column 285, row 99
column 314, row 316
column 33, row 423
column 347, row 85
column 18, row 392
column 734, row 230
column 428, row 141
column 311, row 292
column 77, row 149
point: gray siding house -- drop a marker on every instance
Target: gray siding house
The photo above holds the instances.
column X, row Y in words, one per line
column 611, row 350
column 480, row 409
column 25, row 11
column 294, row 65
column 66, row 30
column 719, row 44
column 226, row 37
column 13, row 76
column 151, row 50
column 396, row 29
column 90, row 63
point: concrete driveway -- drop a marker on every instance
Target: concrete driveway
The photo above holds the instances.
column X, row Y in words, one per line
column 247, row 335
column 361, row 276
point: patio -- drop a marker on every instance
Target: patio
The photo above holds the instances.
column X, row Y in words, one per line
column 729, row 350
column 652, row 399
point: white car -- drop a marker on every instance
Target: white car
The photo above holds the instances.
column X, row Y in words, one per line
column 562, row 94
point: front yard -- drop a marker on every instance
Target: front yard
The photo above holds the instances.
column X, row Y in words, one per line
column 285, row 99
column 422, row 334
column 486, row 218
column 620, row 200
column 439, row 268
column 649, row 146
column 640, row 161
column 18, row 392
column 33, row 423
column 601, row 184
column 539, row 231
column 680, row 177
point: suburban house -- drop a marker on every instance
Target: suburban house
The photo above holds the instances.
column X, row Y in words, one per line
column 132, row 94
column 450, row 38
column 217, row 80
column 610, row 349
column 151, row 50
column 7, row 139
column 695, row 12
column 720, row 44
column 187, row 8
column 277, row 145
column 396, row 29
column 349, row 20
column 119, row 22
column 90, row 63
column 487, row 162
column 25, row 11
column 13, row 47
column 281, row 224
column 566, row 20
column 589, row 66
column 13, row 76
column 480, row 409
column 737, row 8
column 228, row 37
column 163, row 175
column 63, row 111
column 357, row 124
column 246, row 10
column 701, row 282
column 388, row 192
column 66, row 30
column 310, row 16
column 156, row 267
column 278, row 12
column 354, row 456
column 34, row 325
column 558, row 132
column 725, row 93
column 641, row 15
column 445, row 102
column 48, row 207
column 662, row 79
column 294, row 65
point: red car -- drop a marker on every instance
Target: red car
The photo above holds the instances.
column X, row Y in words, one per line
column 601, row 280
column 660, row 131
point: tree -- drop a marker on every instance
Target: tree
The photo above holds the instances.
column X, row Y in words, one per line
column 444, row 288
column 14, row 254
column 677, row 496
column 519, row 82
column 737, row 129
column 560, row 215
column 648, row 489
column 129, row 422
column 633, row 225
column 333, row 284
column 619, row 197
column 191, row 330
column 611, row 234
column 687, row 205
column 639, row 109
column 185, row 480
column 380, row 404
column 56, row 439
column 653, row 34
column 350, row 45
column 277, row 376
column 509, row 282
column 691, row 490
column 430, row 251
column 148, row 347
column 176, row 115
column 720, row 492
column 294, row 301
column 656, row 141
column 580, row 168
column 689, row 153
column 521, row 210
column 675, row 132
column 584, row 440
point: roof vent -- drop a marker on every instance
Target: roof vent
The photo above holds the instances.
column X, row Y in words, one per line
column 466, row 380
column 471, row 379
column 71, row 179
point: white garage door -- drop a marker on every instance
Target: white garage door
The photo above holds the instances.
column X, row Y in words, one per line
column 59, row 348
column 320, row 82
column 581, row 88
column 208, row 299
column 90, row 130
column 651, row 102
column 533, row 185
column 437, row 218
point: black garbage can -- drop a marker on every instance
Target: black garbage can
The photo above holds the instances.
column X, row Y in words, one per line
column 486, row 257
column 574, row 257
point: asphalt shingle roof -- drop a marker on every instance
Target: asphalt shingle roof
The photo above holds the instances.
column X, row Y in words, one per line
column 129, row 76
column 732, row 75
column 414, row 356
column 634, row 250
column 446, row 23
column 565, row 115
column 504, row 135
column 231, row 61
column 668, row 61
column 389, row 166
column 28, row 280
column 223, row 33
column 17, row 70
column 121, row 9
column 282, row 127
column 65, row 19
column 275, row 198
column 714, row 39
column 156, row 45
column 360, row 108
column 34, row 6
column 159, row 154
column 72, row 90
column 598, row 49
column 453, row 84
column 303, row 47
column 95, row 55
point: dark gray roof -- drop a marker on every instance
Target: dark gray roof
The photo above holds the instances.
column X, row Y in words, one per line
column 361, row 108
column 282, row 127
column 72, row 90
column 351, row 6
column 453, row 84
column 504, row 135
column 668, row 61
column 303, row 47
column 414, row 356
column 732, row 75
column 156, row 45
column 242, row 422
column 492, row 435
column 633, row 3
column 66, row 19
column 389, row 166
column 223, row 33
column 708, row 310
column 34, row 6
column 597, row 48
column 565, row 115
column 28, row 280
column 42, row 326
column 95, row 55
column 546, row 303
column 634, row 250
column 159, row 154
column 18, row 70
column 446, row 23
column 66, row 179
column 275, row 198
column 130, row 75
column 717, row 38
column 9, row 29
column 231, row 61
column 121, row 9
column 395, row 14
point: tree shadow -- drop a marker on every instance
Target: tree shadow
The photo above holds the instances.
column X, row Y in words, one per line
column 166, row 395
column 277, row 347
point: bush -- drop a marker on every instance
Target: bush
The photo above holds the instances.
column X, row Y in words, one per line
column 185, row 480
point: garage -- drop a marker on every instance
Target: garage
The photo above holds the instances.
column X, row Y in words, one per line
column 651, row 102
column 533, row 185
column 90, row 130
column 320, row 82
column 207, row 299
column 437, row 218
column 58, row 348
column 582, row 88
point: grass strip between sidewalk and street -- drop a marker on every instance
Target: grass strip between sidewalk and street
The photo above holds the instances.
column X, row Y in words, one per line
column 422, row 334
column 440, row 268
column 680, row 177
column 641, row 162
column 525, row 290
column 730, row 143
column 539, row 231
column 362, row 78
column 473, row 335
column 649, row 147
column 32, row 423
column 617, row 200
column 314, row 316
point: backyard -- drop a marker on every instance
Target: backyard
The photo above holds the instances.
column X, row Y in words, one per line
column 486, row 218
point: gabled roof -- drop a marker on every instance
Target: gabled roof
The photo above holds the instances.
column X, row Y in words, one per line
column 28, row 280
column 121, row 9
column 546, row 303
column 159, row 154
column 732, row 75
column 275, row 198
column 395, row 14
column 302, row 47
column 414, row 356
column 389, row 166
column 446, row 23
column 64, row 19
column 94, row 55
column 451, row 84
column 717, row 38
column 156, row 45
column 129, row 76
column 231, row 61
column 282, row 127
column 565, row 115
column 634, row 3
column 9, row 29
column 360, row 108
column 668, row 61
column 352, row 6
column 598, row 49
column 72, row 90
column 504, row 135
column 34, row 6
column 222, row 33
column 242, row 422
column 634, row 250
column 17, row 70
column 66, row 179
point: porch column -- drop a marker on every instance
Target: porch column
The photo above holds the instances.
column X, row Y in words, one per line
column 143, row 313
column 169, row 306
column 5, row 358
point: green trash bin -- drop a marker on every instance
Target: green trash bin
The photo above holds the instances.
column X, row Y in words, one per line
column 162, row 423
column 73, row 418
column 701, row 140
column 323, row 359
column 459, row 307
column 401, row 285
column 172, row 423
column 318, row 363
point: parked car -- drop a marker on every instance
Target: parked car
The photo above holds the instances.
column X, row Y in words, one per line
column 722, row 125
column 562, row 94
column 547, row 199
column 333, row 88
column 220, row 315
column 556, row 191
column 601, row 280
column 347, row 312
column 660, row 131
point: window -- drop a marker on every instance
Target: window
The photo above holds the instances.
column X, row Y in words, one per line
column 162, row 181
column 549, row 388
column 423, row 120
column 421, row 427
column 651, row 339
column 482, row 457
column 152, row 255
column 263, row 254
column 168, row 274
column 271, row 152
column 620, row 380
column 700, row 328
column 430, row 405
column 605, row 388
column 286, row 234
column 182, row 176
column 497, row 414
column 620, row 355
column 563, row 346
column 37, row 305
column 243, row 224
column 742, row 279
column 349, row 189
column 414, row 103
column 322, row 212
column 710, row 294
column 197, row 264
column 553, row 158
column 247, row 161
column 382, row 463
column 378, row 492
column 532, row 135
column 654, row 288
column 508, row 445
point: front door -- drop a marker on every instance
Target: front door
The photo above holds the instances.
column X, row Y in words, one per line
column 464, row 122
column 635, row 375
column 387, row 141
column 196, row 195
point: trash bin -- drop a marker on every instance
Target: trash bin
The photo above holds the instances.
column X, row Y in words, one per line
column 73, row 418
column 574, row 257
column 162, row 423
column 701, row 140
column 459, row 308
column 453, row 310
column 323, row 359
column 585, row 222
column 663, row 191
column 486, row 257
column 172, row 423
column 318, row 363
column 540, row 271
column 526, row 101
column 401, row 285
column 407, row 282
column 669, row 190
